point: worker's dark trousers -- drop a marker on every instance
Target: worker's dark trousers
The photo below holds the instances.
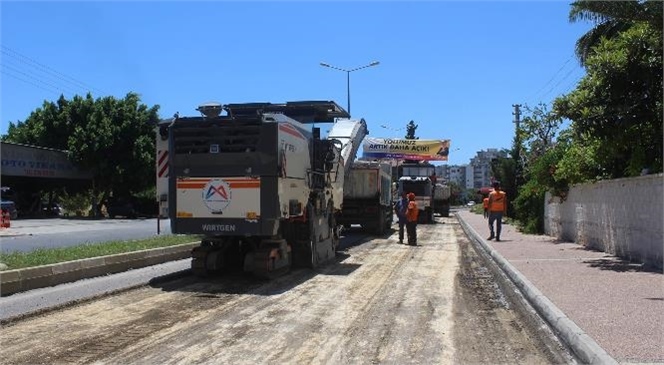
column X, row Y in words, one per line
column 498, row 217
column 411, row 229
column 401, row 226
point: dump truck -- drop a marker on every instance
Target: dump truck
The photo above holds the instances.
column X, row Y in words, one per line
column 368, row 197
column 441, row 199
column 258, row 182
column 416, row 178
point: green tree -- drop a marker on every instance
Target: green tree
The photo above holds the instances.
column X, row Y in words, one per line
column 529, row 204
column 528, row 174
column 610, row 18
column 579, row 161
column 47, row 126
column 619, row 103
column 456, row 192
column 112, row 138
column 615, row 111
column 539, row 129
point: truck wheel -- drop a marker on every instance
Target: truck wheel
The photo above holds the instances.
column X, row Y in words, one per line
column 380, row 226
column 312, row 261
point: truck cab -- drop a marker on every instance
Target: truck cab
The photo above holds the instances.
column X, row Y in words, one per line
column 423, row 189
column 416, row 178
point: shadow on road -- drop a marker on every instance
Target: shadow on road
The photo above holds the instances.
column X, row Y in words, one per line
column 245, row 283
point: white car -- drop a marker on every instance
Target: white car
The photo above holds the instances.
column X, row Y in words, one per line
column 471, row 203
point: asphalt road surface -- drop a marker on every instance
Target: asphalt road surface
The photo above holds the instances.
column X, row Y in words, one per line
column 29, row 234
column 378, row 302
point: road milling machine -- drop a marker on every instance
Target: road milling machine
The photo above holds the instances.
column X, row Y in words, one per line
column 258, row 182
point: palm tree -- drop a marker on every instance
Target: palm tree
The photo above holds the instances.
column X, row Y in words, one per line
column 611, row 18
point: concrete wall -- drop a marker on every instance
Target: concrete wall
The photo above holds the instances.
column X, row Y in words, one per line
column 623, row 217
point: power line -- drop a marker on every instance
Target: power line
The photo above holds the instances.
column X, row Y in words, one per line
column 40, row 74
column 29, row 82
column 31, row 62
column 44, row 68
column 559, row 82
column 569, row 86
column 31, row 76
column 532, row 96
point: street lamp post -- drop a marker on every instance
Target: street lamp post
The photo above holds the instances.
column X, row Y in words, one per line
column 374, row 63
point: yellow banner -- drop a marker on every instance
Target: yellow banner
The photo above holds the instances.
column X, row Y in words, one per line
column 407, row 149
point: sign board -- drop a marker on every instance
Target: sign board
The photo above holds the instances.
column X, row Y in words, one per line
column 406, row 149
column 31, row 161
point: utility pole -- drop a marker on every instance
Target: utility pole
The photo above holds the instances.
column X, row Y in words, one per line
column 517, row 150
column 517, row 114
column 517, row 121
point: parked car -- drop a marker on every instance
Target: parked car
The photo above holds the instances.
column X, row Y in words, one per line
column 471, row 203
column 54, row 210
column 8, row 204
column 122, row 207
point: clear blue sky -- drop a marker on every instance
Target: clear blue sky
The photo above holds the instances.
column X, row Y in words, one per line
column 455, row 68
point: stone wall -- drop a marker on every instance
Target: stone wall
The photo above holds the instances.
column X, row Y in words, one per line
column 623, row 217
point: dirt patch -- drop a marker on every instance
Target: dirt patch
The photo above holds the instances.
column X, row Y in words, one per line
column 492, row 322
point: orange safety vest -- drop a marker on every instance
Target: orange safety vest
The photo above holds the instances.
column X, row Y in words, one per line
column 412, row 212
column 497, row 201
column 485, row 203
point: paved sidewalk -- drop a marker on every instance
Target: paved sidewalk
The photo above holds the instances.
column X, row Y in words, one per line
column 619, row 306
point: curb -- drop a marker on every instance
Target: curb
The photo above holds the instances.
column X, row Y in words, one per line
column 20, row 280
column 581, row 344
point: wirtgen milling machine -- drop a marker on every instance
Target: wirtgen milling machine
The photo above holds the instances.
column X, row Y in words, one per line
column 258, row 182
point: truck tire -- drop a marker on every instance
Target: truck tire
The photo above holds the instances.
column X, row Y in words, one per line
column 380, row 225
column 312, row 249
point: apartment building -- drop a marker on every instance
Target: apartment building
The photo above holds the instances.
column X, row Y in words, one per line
column 476, row 174
column 481, row 167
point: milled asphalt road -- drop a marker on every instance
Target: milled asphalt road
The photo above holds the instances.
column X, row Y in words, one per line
column 616, row 305
column 47, row 298
column 609, row 308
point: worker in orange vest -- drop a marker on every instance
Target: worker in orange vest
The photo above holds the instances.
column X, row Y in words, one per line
column 400, row 209
column 411, row 218
column 497, row 208
column 485, row 204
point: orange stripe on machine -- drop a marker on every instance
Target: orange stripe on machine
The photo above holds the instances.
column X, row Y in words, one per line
column 206, row 179
column 233, row 184
column 288, row 128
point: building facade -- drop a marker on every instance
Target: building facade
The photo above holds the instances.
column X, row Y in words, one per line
column 475, row 175
column 480, row 166
column 453, row 173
